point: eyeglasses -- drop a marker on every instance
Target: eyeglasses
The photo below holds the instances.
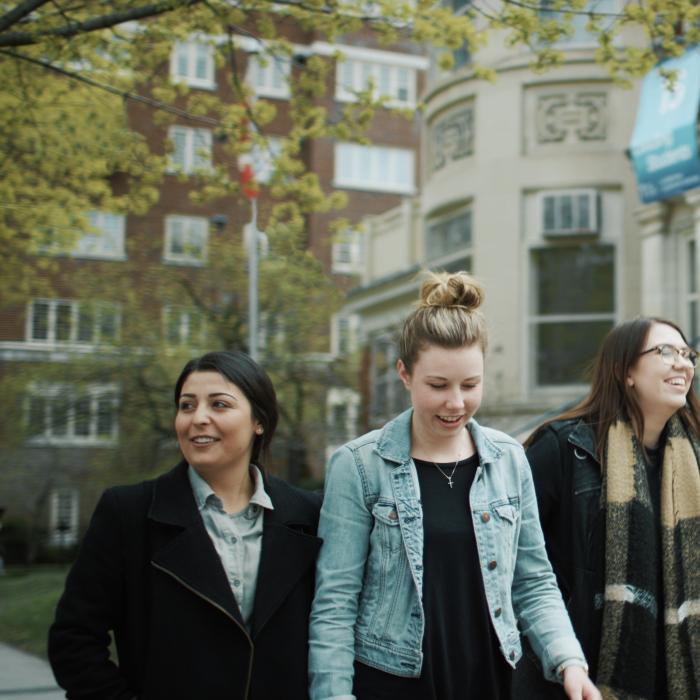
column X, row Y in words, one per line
column 670, row 354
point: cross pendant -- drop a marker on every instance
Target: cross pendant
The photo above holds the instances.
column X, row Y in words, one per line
column 449, row 481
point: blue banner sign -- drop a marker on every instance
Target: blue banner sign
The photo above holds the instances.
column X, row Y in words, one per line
column 664, row 148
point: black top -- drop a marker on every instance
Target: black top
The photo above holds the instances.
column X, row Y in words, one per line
column 654, row 466
column 462, row 659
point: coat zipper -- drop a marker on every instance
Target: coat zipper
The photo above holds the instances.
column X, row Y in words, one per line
column 225, row 612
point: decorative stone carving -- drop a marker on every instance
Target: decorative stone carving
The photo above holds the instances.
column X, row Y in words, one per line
column 571, row 116
column 451, row 137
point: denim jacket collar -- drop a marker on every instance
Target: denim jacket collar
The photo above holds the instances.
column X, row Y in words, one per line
column 394, row 443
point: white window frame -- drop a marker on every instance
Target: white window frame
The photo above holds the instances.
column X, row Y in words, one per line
column 186, row 315
column 189, row 51
column 94, row 394
column 269, row 75
column 346, row 253
column 374, row 168
column 193, row 227
column 611, row 224
column 63, row 532
column 97, row 309
column 354, row 75
column 107, row 241
column 196, row 153
column 578, row 227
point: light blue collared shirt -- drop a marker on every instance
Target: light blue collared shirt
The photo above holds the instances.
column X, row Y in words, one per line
column 237, row 537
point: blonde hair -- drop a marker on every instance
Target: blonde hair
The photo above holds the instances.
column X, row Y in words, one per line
column 447, row 315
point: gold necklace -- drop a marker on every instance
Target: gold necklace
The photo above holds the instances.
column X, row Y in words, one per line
column 448, row 476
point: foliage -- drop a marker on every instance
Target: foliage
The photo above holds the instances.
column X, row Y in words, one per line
column 28, row 598
column 66, row 70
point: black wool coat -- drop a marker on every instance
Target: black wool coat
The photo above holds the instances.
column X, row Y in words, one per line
column 147, row 572
column 568, row 480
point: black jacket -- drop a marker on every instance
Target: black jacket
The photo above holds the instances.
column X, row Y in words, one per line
column 568, row 479
column 148, row 572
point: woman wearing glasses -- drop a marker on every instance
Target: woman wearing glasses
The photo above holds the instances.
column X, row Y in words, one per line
column 618, row 490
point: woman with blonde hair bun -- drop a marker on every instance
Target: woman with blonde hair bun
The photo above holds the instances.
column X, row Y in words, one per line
column 433, row 552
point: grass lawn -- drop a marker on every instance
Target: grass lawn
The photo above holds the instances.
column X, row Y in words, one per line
column 28, row 597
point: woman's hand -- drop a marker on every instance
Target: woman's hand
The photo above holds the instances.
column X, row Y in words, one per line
column 578, row 686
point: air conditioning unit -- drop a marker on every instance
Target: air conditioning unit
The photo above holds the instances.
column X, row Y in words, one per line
column 570, row 213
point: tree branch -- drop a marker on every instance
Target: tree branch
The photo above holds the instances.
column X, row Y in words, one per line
column 19, row 12
column 94, row 24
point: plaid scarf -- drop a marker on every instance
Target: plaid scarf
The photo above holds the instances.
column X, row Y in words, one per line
column 635, row 594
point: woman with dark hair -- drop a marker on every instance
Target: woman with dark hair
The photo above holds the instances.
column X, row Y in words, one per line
column 204, row 575
column 618, row 489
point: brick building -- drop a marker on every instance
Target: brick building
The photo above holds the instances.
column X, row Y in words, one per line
column 74, row 434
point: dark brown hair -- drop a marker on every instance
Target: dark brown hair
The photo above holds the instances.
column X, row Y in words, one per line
column 610, row 396
column 240, row 369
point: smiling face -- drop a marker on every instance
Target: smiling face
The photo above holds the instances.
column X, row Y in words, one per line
column 446, row 387
column 660, row 389
column 214, row 423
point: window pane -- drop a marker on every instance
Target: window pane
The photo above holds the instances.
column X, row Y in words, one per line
column 566, row 212
column 108, row 324
column 564, row 350
column 105, row 417
column 575, row 279
column 40, row 320
column 385, row 80
column 59, row 416
column 63, row 321
column 179, row 139
column 36, row 415
column 86, row 324
column 201, row 66
column 82, row 417
column 181, row 60
column 550, row 221
column 402, row 89
column 584, row 220
column 278, row 67
column 177, row 238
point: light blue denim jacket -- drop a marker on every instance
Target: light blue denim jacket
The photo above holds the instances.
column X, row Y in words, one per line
column 369, row 579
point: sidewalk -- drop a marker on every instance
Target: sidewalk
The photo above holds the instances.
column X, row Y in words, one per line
column 26, row 677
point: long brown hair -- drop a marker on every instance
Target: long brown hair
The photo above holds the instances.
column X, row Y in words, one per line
column 610, row 396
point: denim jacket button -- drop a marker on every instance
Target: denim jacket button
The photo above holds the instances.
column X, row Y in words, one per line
column 393, row 515
column 511, row 656
column 492, row 565
column 497, row 612
column 485, row 517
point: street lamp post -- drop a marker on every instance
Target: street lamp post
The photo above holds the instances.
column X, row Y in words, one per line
column 253, row 281
column 250, row 190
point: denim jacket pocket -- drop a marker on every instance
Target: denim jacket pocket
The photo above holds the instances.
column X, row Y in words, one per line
column 386, row 525
column 507, row 511
column 507, row 514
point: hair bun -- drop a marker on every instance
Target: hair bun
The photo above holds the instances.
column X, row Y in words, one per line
column 450, row 290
